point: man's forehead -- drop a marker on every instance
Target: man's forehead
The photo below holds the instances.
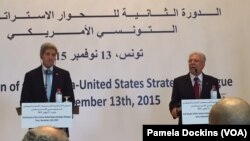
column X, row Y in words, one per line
column 194, row 56
column 50, row 50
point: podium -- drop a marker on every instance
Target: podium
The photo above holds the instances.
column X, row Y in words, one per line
column 55, row 114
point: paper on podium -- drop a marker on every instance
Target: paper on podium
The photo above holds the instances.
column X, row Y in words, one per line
column 53, row 114
column 195, row 111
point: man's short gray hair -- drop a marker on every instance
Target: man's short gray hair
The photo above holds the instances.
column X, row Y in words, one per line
column 45, row 133
column 202, row 55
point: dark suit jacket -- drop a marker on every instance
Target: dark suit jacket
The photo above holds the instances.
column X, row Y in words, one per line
column 34, row 90
column 183, row 89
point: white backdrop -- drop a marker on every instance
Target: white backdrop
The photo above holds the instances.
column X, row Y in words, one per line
column 118, row 42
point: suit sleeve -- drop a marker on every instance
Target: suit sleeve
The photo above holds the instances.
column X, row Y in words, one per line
column 175, row 100
column 217, row 88
column 26, row 90
column 69, row 88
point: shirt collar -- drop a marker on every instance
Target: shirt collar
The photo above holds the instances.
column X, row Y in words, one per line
column 199, row 76
column 44, row 68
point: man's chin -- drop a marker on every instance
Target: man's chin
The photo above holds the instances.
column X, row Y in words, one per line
column 48, row 65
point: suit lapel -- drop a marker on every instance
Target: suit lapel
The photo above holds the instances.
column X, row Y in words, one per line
column 54, row 81
column 204, row 86
column 41, row 82
column 189, row 87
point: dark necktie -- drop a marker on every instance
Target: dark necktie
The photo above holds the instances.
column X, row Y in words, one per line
column 196, row 87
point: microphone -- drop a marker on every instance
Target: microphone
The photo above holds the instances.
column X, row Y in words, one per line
column 196, row 71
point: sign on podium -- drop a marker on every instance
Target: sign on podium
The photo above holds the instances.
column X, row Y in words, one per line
column 53, row 114
column 195, row 111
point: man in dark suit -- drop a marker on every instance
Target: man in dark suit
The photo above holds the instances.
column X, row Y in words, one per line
column 183, row 87
column 35, row 85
